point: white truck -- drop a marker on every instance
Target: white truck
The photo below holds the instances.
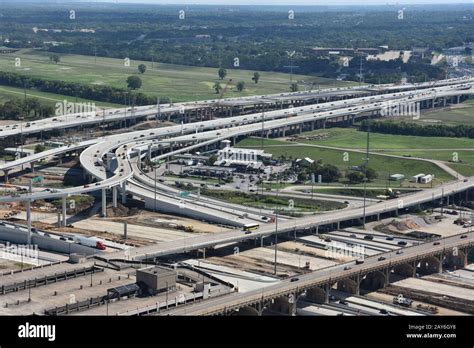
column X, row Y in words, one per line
column 92, row 242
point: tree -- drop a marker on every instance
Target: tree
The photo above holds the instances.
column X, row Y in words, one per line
column 256, row 77
column 142, row 68
column 222, row 73
column 302, row 178
column 55, row 58
column 211, row 160
column 355, row 177
column 240, row 86
column 39, row 148
column 294, row 87
column 217, row 87
column 370, row 173
column 134, row 82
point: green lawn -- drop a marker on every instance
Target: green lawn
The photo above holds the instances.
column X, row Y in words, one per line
column 271, row 202
column 383, row 165
column 373, row 193
column 8, row 93
column 179, row 82
column 457, row 114
column 354, row 139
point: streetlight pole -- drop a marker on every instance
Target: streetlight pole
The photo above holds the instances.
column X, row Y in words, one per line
column 154, row 203
column 276, row 241
column 365, row 170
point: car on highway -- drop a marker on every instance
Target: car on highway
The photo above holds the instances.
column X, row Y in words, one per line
column 436, row 243
column 294, row 279
column 346, row 268
column 464, row 236
column 368, row 237
column 248, row 232
column 399, row 252
column 381, row 258
column 353, row 235
column 402, row 242
column 389, row 238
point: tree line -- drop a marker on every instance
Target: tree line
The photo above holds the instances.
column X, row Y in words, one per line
column 100, row 93
column 29, row 109
column 409, row 128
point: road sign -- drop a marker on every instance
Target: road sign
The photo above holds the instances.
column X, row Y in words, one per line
column 184, row 194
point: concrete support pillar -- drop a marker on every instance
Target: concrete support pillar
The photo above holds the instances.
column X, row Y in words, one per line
column 28, row 220
column 104, row 202
column 124, row 192
column 114, row 196
column 5, row 174
column 32, row 166
column 64, row 206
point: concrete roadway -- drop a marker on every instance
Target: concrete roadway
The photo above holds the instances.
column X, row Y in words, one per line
column 93, row 117
column 205, row 241
column 308, row 280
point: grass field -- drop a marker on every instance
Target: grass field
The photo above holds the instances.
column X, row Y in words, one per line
column 271, row 202
column 8, row 93
column 373, row 193
column 179, row 82
column 383, row 165
column 355, row 139
column 457, row 114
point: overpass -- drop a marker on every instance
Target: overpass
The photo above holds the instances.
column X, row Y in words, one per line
column 120, row 169
column 375, row 270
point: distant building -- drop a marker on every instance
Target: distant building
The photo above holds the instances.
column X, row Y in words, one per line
column 22, row 151
column 427, row 179
column 304, row 162
column 421, row 52
column 326, row 51
column 232, row 157
column 416, row 178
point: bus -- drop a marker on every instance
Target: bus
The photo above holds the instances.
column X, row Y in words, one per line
column 250, row 227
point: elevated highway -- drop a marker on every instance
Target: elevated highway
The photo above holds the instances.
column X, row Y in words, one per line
column 326, row 277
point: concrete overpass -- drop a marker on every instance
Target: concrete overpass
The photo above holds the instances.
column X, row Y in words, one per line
column 375, row 271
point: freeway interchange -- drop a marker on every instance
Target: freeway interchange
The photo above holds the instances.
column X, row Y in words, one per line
column 114, row 162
